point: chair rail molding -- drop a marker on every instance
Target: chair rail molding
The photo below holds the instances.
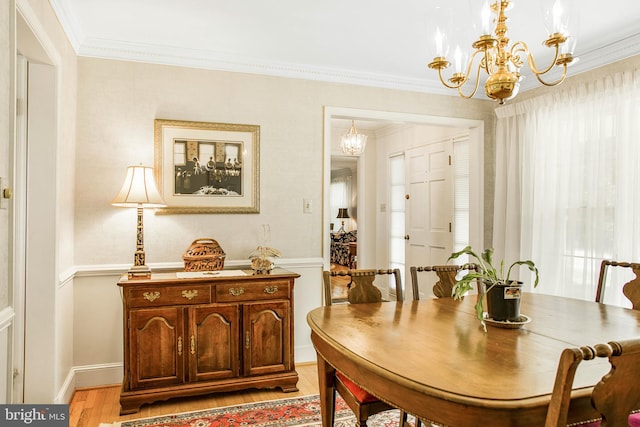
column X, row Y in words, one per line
column 6, row 317
column 111, row 269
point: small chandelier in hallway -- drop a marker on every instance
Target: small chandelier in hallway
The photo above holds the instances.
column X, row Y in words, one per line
column 353, row 143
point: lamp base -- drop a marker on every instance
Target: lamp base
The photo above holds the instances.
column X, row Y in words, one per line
column 139, row 272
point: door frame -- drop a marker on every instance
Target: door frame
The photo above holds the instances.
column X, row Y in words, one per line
column 476, row 173
column 35, row 283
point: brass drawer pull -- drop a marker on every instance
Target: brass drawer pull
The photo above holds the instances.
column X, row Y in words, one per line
column 247, row 340
column 270, row 289
column 236, row 292
column 151, row 296
column 190, row 294
column 179, row 346
column 193, row 344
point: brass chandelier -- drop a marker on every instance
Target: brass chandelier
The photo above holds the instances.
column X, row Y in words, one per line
column 502, row 62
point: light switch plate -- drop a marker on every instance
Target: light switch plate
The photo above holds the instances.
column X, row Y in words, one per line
column 307, row 206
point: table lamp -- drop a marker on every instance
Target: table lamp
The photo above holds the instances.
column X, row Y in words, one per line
column 139, row 191
column 342, row 214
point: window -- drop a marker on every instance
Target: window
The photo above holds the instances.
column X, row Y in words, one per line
column 567, row 182
column 460, row 194
column 396, row 216
column 340, row 194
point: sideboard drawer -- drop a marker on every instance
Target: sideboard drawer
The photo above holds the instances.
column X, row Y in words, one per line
column 174, row 295
column 256, row 290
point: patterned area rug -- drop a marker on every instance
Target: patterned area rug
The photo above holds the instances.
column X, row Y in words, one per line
column 298, row 411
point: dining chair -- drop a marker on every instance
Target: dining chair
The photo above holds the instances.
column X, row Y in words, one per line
column 361, row 289
column 443, row 288
column 616, row 395
column 631, row 289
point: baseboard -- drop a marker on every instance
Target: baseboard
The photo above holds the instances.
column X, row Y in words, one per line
column 97, row 375
column 111, row 373
column 305, row 354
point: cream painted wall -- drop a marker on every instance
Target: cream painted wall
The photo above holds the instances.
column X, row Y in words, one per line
column 117, row 103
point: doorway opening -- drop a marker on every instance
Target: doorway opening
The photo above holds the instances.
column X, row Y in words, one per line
column 372, row 198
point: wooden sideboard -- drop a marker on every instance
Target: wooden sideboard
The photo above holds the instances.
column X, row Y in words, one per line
column 223, row 331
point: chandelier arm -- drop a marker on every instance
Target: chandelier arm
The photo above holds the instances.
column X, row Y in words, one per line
column 487, row 61
column 531, row 60
column 461, row 82
column 475, row 88
column 557, row 82
column 456, row 86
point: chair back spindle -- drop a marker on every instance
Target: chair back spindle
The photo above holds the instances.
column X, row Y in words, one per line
column 631, row 289
column 443, row 288
column 362, row 288
column 615, row 396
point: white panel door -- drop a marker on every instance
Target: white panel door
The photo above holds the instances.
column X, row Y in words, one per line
column 429, row 207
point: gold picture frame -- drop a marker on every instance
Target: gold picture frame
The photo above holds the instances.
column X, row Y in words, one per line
column 203, row 167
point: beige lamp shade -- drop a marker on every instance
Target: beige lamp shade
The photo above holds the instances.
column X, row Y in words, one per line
column 139, row 189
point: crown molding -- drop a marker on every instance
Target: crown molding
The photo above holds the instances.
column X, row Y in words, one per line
column 593, row 58
column 198, row 58
column 195, row 58
column 205, row 59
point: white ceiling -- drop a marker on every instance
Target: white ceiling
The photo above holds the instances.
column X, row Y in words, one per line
column 365, row 42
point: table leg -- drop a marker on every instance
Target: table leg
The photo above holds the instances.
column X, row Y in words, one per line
column 326, row 384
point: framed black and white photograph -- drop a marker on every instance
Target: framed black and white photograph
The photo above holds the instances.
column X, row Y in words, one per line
column 203, row 167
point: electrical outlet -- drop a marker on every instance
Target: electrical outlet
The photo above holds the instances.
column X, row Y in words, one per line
column 306, row 206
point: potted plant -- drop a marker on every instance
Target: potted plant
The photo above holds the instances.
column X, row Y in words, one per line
column 502, row 293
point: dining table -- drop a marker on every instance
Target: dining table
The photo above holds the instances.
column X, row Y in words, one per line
column 433, row 359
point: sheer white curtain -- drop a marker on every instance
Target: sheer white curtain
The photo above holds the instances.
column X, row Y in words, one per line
column 568, row 182
column 340, row 196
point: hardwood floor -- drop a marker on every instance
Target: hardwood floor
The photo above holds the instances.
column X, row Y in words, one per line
column 92, row 406
column 339, row 283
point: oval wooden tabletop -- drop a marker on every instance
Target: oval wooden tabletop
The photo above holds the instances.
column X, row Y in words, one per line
column 437, row 348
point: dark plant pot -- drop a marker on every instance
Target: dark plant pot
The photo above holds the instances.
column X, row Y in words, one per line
column 503, row 302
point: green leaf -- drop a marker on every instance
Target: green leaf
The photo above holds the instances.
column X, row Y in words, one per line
column 532, row 267
column 488, row 274
column 480, row 313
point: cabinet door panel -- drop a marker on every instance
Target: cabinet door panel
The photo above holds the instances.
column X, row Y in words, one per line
column 213, row 342
column 267, row 337
column 156, row 339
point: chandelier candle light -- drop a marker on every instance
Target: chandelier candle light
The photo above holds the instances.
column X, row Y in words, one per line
column 353, row 143
column 139, row 191
column 502, row 62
